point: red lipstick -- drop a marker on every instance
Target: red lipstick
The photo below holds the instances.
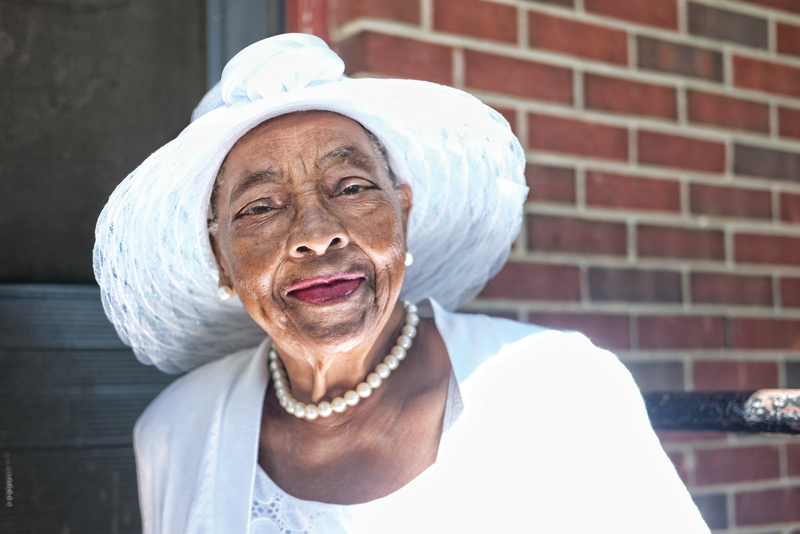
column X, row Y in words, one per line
column 326, row 288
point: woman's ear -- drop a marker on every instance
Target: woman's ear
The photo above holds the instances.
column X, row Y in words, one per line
column 224, row 274
column 406, row 203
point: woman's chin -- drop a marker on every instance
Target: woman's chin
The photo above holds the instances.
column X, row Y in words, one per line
column 334, row 316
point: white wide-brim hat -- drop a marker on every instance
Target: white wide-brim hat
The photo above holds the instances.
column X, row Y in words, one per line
column 152, row 257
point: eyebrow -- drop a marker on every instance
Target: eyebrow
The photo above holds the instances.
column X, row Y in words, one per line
column 252, row 179
column 349, row 155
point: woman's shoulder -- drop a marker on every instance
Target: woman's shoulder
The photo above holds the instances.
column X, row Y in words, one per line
column 475, row 339
column 197, row 388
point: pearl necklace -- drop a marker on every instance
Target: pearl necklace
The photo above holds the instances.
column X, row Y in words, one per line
column 361, row 391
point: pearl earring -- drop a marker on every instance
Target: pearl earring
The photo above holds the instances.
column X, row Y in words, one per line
column 409, row 259
column 225, row 292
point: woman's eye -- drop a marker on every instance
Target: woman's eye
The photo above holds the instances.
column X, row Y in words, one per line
column 258, row 209
column 353, row 189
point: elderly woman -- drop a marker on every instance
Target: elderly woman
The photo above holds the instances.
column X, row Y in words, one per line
column 292, row 207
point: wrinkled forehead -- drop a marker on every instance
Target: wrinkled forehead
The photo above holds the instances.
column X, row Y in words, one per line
column 327, row 125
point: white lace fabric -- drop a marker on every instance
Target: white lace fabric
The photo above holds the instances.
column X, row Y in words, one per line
column 274, row 511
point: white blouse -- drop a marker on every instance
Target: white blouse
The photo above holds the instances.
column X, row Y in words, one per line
column 274, row 511
column 553, row 437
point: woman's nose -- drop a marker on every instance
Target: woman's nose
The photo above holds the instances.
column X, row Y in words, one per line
column 316, row 232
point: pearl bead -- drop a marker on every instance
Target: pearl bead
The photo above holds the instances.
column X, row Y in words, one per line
column 280, row 373
column 373, row 380
column 364, row 390
column 412, row 308
column 273, row 355
column 412, row 319
column 351, row 398
column 274, row 365
column 339, row 405
column 399, row 353
column 290, row 406
column 325, row 409
column 410, row 331
column 404, row 341
column 383, row 370
column 391, row 362
column 279, row 384
column 311, row 412
column 299, row 409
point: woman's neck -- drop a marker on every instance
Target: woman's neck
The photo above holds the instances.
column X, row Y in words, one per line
column 371, row 450
column 325, row 373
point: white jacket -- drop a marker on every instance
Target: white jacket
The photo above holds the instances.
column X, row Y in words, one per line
column 553, row 438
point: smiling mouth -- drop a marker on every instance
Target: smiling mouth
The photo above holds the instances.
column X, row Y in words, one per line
column 326, row 288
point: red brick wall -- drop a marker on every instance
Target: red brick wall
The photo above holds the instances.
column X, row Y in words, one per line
column 663, row 141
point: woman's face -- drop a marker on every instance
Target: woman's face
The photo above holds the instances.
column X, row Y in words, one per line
column 311, row 230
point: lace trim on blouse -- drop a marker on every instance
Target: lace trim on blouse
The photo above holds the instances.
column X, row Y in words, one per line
column 275, row 511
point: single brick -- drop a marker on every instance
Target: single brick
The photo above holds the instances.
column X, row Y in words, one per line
column 790, row 293
column 565, row 234
column 681, row 152
column 793, row 381
column 517, row 77
column 347, row 10
column 572, row 136
column 596, row 42
column 551, row 184
column 723, row 25
column 633, row 285
column 678, row 460
column 788, row 39
column 786, row 5
column 625, row 96
column 681, row 332
column 664, row 56
column 708, row 108
column 793, row 457
column 535, row 281
column 771, row 249
column 632, row 192
column 730, row 201
column 739, row 464
column 751, row 73
column 607, row 331
column 764, row 507
column 667, row 242
column 790, row 207
column 729, row 375
column 765, row 333
column 789, row 122
column 309, row 16
column 386, row 54
column 510, row 115
column 766, row 163
column 714, row 509
column 657, row 376
column 719, row 288
column 476, row 18
column 662, row 13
